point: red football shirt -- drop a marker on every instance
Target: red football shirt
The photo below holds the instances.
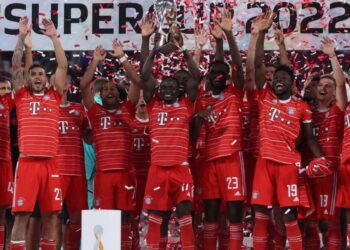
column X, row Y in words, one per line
column 38, row 117
column 112, row 138
column 279, row 124
column 328, row 130
column 246, row 123
column 70, row 157
column 169, row 131
column 224, row 126
column 141, row 153
column 6, row 105
column 346, row 141
column 253, row 144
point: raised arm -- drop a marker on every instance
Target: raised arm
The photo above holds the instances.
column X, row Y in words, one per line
column 148, row 27
column 216, row 32
column 327, row 46
column 279, row 39
column 18, row 75
column 28, row 53
column 62, row 63
column 88, row 97
column 237, row 68
column 260, row 25
column 131, row 74
column 201, row 37
column 250, row 67
column 148, row 84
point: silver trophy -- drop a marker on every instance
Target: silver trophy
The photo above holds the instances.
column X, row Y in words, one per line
column 165, row 10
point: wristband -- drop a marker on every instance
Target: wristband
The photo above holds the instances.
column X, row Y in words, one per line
column 123, row 58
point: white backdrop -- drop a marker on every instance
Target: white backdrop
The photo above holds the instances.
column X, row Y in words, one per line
column 326, row 15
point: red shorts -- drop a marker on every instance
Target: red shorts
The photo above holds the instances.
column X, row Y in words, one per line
column 249, row 163
column 140, row 191
column 275, row 183
column 324, row 193
column 37, row 179
column 6, row 183
column 343, row 196
column 74, row 192
column 115, row 189
column 224, row 178
column 167, row 187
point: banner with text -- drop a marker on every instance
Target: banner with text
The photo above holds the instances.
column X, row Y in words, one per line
column 84, row 24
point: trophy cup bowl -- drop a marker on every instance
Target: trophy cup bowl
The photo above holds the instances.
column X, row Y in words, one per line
column 165, row 11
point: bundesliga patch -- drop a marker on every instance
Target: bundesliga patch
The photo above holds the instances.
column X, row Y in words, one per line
column 20, row 202
column 274, row 101
column 2, row 106
column 291, row 111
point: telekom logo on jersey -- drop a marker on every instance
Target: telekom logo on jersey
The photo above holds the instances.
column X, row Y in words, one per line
column 64, row 127
column 105, row 122
column 162, row 118
column 139, row 143
column 34, row 107
column 274, row 113
column 347, row 121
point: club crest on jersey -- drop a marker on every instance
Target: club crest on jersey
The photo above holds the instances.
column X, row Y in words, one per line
column 291, row 111
column 2, row 106
column 255, row 195
column 148, row 200
column 20, row 202
column 46, row 97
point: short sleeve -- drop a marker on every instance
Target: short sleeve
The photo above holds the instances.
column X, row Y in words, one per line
column 151, row 104
column 92, row 111
column 57, row 94
column 20, row 94
column 306, row 114
column 264, row 92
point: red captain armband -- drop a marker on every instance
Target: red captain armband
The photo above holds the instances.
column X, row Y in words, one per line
column 320, row 167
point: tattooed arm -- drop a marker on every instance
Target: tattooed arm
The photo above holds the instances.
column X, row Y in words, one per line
column 17, row 71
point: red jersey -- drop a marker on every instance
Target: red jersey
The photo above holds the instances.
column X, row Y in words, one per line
column 70, row 157
column 345, row 155
column 141, row 152
column 112, row 137
column 38, row 116
column 224, row 126
column 253, row 144
column 279, row 124
column 169, row 131
column 328, row 130
column 246, row 123
column 6, row 105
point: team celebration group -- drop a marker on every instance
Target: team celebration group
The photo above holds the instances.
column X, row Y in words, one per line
column 212, row 147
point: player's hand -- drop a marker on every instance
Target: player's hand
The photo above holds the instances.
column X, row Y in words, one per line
column 216, row 31
column 118, row 50
column 23, row 26
column 279, row 38
column 320, row 167
column 50, row 29
column 225, row 22
column 201, row 37
column 28, row 40
column 99, row 53
column 309, row 80
column 148, row 25
column 177, row 36
column 205, row 113
column 327, row 46
column 262, row 22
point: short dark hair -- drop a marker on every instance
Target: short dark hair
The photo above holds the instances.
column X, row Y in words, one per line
column 218, row 62
column 170, row 78
column 4, row 79
column 286, row 69
column 36, row 65
column 123, row 95
column 270, row 64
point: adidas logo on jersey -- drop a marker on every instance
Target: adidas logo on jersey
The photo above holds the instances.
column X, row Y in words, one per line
column 237, row 193
column 296, row 199
column 325, row 211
